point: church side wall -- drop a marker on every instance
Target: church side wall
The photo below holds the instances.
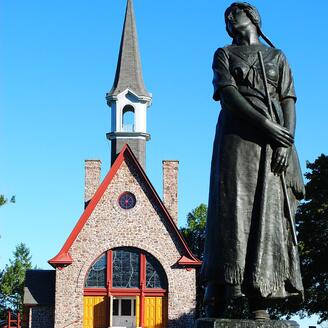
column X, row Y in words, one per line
column 108, row 227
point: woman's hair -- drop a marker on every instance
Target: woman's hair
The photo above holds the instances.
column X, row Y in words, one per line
column 251, row 13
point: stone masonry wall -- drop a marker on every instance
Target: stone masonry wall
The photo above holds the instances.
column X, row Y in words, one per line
column 41, row 317
column 170, row 187
column 108, row 227
column 92, row 178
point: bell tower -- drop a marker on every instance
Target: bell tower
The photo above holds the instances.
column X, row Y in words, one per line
column 128, row 98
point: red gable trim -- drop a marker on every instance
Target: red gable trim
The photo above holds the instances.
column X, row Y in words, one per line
column 64, row 258
column 185, row 261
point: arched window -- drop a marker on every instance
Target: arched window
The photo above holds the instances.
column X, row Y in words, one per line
column 128, row 119
column 123, row 268
column 97, row 273
column 155, row 275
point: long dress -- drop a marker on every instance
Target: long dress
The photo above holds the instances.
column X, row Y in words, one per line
column 248, row 237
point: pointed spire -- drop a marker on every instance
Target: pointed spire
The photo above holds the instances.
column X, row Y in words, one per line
column 128, row 71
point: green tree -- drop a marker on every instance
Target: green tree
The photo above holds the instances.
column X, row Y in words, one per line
column 4, row 200
column 195, row 231
column 313, row 234
column 12, row 280
column 312, row 226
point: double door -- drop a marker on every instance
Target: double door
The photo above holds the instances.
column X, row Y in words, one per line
column 124, row 312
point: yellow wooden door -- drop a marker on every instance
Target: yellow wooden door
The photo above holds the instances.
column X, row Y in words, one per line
column 95, row 312
column 155, row 312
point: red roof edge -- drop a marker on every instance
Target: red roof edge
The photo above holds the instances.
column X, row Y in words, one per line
column 63, row 258
column 89, row 209
column 160, row 203
column 187, row 262
column 162, row 206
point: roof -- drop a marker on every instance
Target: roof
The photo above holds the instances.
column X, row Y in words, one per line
column 128, row 72
column 63, row 258
column 39, row 287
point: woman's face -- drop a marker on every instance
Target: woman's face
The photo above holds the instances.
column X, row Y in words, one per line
column 238, row 21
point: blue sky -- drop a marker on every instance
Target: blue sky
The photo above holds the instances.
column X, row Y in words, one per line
column 57, row 61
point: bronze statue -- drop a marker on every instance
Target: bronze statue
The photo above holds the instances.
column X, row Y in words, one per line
column 256, row 181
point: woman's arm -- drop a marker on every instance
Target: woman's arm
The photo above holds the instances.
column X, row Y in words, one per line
column 288, row 108
column 281, row 154
column 234, row 101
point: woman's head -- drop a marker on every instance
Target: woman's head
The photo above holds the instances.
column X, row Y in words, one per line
column 244, row 7
column 243, row 11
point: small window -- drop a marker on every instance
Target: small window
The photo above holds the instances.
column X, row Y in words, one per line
column 127, row 200
column 155, row 276
column 115, row 307
column 97, row 274
column 126, row 307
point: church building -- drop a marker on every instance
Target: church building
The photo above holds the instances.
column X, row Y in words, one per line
column 125, row 264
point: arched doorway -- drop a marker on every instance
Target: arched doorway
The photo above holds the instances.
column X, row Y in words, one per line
column 125, row 287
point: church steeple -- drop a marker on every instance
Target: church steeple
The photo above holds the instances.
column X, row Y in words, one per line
column 128, row 71
column 128, row 97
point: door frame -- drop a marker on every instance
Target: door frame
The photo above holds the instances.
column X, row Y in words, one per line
column 120, row 298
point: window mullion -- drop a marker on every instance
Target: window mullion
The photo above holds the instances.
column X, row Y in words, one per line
column 109, row 274
column 142, row 271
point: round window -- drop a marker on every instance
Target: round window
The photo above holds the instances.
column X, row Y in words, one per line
column 127, row 200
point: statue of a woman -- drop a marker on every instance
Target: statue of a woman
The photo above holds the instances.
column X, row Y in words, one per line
column 256, row 181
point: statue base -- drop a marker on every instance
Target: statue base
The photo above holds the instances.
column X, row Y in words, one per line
column 235, row 323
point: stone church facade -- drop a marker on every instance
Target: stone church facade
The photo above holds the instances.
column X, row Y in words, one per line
column 125, row 264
